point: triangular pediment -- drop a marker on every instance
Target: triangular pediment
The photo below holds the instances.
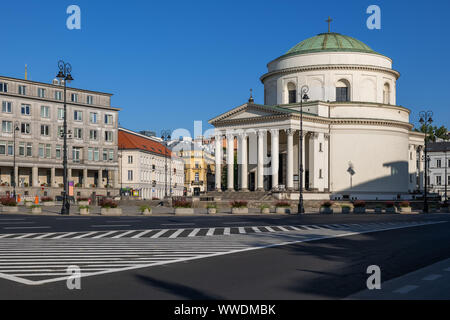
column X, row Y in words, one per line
column 250, row 111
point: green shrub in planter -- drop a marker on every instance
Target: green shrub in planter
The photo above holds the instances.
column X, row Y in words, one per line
column 36, row 209
column 84, row 210
column 145, row 209
column 326, row 207
column 182, row 204
column 346, row 209
column 8, row 202
column 212, row 208
column 359, row 207
column 265, row 209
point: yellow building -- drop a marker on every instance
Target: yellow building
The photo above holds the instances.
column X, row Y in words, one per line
column 199, row 165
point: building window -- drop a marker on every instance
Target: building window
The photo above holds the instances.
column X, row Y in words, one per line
column 48, row 151
column 74, row 97
column 22, row 90
column 438, row 163
column 292, row 91
column 60, row 114
column 45, row 130
column 78, row 133
column 22, row 149
column 105, row 154
column 108, row 136
column 130, row 159
column 342, row 91
column 3, row 87
column 25, row 110
column 90, row 99
column 58, row 95
column 320, row 174
column 93, row 117
column 60, row 132
column 96, row 154
column 58, row 152
column 29, row 149
column 320, row 147
column 25, row 128
column 130, row 175
column 78, row 115
column 41, row 92
column 45, row 112
column 386, row 94
column 6, row 126
column 76, row 154
column 41, row 150
column 438, row 180
column 111, row 155
column 197, row 177
column 108, row 119
column 6, row 107
column 93, row 134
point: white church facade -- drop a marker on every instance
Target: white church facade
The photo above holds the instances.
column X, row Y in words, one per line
column 357, row 142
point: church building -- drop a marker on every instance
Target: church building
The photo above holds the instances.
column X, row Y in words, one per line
column 356, row 142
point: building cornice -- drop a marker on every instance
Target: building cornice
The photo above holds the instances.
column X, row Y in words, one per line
column 395, row 73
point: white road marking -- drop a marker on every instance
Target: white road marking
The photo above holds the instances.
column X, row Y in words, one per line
column 46, row 235
column 141, row 234
column 26, row 236
column 85, row 235
column 193, row 233
column 269, row 229
column 227, row 231
column 210, row 232
column 65, row 235
column 256, row 230
column 122, row 235
column 406, row 289
column 176, row 234
column 283, row 229
column 103, row 235
column 159, row 234
column 242, row 230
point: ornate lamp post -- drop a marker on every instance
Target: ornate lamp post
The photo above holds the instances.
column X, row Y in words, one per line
column 14, row 182
column 64, row 74
column 426, row 119
column 447, row 138
column 165, row 136
column 303, row 96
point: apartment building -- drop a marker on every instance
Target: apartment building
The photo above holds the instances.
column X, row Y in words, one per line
column 31, row 128
column 439, row 167
column 143, row 173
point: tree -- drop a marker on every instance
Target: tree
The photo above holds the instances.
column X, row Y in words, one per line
column 433, row 133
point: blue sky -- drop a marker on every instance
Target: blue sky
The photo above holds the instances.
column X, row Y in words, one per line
column 169, row 63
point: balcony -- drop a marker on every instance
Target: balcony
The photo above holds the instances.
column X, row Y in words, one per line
column 196, row 183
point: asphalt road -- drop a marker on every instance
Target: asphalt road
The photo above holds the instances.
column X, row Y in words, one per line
column 333, row 268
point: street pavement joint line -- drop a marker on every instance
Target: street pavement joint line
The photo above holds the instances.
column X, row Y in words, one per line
column 185, row 259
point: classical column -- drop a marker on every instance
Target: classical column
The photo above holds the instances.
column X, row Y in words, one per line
column 260, row 169
column 303, row 156
column 53, row 183
column 230, row 162
column 85, row 178
column 290, row 160
column 326, row 167
column 218, row 153
column 100, row 179
column 313, row 161
column 244, row 160
column 275, row 152
column 35, row 174
column 421, row 169
column 115, row 174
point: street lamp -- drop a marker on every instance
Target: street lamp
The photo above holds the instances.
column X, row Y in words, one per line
column 165, row 136
column 447, row 138
column 64, row 74
column 14, row 182
column 426, row 119
column 303, row 96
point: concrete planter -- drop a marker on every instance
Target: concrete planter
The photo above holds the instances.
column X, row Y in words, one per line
column 147, row 212
column 36, row 210
column 405, row 210
column 346, row 210
column 48, row 204
column 239, row 210
column 265, row 211
column 283, row 210
column 6, row 209
column 326, row 210
column 378, row 210
column 184, row 211
column 391, row 210
column 359, row 210
column 28, row 204
column 84, row 212
column 212, row 210
column 111, row 212
column 83, row 203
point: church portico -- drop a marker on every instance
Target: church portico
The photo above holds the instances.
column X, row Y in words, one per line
column 356, row 142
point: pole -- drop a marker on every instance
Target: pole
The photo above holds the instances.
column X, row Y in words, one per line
column 14, row 169
column 300, row 177
column 446, row 178
column 425, row 204
column 66, row 206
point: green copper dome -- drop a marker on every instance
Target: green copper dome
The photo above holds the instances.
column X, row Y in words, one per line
column 330, row 42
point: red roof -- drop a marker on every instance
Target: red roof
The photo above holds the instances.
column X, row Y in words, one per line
column 132, row 141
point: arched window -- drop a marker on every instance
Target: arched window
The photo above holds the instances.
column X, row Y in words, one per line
column 387, row 94
column 292, row 92
column 342, row 91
